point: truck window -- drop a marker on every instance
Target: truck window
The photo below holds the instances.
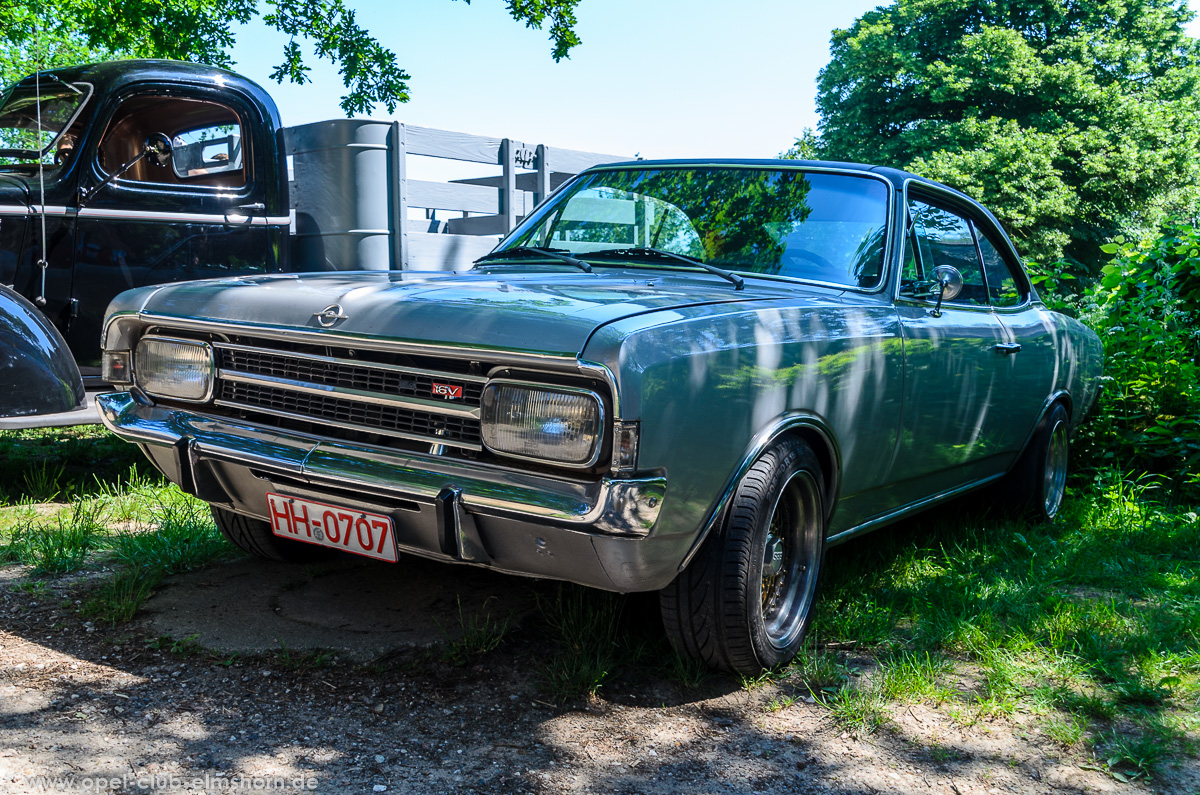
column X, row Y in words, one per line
column 206, row 138
column 212, row 149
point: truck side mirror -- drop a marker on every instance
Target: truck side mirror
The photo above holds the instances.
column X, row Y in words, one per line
column 158, row 149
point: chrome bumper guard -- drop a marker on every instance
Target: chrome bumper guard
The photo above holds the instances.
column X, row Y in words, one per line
column 611, row 507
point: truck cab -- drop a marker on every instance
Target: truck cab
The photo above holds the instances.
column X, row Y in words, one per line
column 84, row 212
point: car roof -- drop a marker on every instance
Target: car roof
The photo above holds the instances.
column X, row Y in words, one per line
column 111, row 76
column 894, row 175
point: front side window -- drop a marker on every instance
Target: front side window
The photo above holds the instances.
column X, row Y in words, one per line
column 941, row 237
column 787, row 222
column 34, row 124
column 206, row 142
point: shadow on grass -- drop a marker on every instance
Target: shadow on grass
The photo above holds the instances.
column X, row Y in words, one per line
column 1096, row 615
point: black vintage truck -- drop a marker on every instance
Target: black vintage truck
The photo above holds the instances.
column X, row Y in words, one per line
column 133, row 173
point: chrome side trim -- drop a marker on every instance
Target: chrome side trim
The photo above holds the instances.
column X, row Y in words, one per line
column 348, row 426
column 621, row 507
column 233, row 219
column 62, row 211
column 391, row 368
column 915, row 507
column 376, row 398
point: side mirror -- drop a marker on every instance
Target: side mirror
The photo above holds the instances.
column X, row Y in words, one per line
column 158, row 149
column 950, row 279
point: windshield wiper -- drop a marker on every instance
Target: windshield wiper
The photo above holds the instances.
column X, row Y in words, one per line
column 541, row 251
column 642, row 251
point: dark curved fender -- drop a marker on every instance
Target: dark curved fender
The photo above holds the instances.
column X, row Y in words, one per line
column 37, row 373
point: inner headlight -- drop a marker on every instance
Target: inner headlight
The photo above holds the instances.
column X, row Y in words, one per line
column 173, row 368
column 554, row 424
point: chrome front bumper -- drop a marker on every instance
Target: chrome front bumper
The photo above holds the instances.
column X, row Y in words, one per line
column 594, row 532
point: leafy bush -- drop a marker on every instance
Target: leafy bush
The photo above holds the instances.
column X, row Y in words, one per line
column 1146, row 309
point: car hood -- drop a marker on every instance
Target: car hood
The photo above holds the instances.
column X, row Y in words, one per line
column 529, row 312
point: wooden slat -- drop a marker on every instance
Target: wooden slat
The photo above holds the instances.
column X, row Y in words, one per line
column 427, row 252
column 573, row 161
column 453, row 196
column 612, row 211
column 478, row 225
column 454, row 145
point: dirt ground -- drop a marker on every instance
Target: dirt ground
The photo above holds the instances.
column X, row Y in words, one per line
column 236, row 700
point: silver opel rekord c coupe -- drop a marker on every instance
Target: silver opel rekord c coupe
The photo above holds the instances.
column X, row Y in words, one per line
column 683, row 377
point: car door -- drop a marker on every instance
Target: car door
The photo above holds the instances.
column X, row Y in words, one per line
column 954, row 372
column 1029, row 351
column 201, row 215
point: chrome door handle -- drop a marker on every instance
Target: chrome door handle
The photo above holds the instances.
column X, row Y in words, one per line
column 1006, row 348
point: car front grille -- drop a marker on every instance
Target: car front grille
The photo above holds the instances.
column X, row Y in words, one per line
column 345, row 398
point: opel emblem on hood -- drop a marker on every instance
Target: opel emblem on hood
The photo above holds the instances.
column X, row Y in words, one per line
column 330, row 315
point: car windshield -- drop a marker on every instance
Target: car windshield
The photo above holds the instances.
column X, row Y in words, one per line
column 807, row 225
column 22, row 138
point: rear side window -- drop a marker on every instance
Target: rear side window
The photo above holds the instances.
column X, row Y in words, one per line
column 1002, row 285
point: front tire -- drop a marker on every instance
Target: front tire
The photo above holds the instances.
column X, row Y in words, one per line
column 255, row 536
column 745, row 601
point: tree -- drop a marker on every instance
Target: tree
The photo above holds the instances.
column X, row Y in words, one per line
column 1074, row 120
column 43, row 33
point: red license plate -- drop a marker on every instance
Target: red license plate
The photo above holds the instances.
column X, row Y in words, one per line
column 368, row 534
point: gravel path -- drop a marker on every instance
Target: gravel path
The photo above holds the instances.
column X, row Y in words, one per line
column 79, row 703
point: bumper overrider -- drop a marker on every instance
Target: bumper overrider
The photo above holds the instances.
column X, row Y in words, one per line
column 592, row 532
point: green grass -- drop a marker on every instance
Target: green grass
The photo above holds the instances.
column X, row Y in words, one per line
column 585, row 631
column 478, row 635
column 1094, row 619
column 119, row 511
column 118, row 598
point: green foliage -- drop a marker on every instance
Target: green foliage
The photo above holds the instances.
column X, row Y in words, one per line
column 47, row 33
column 1071, row 121
column 1146, row 309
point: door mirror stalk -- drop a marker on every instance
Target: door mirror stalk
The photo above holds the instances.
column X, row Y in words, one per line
column 157, row 150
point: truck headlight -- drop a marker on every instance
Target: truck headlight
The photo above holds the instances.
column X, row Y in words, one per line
column 171, row 368
column 557, row 425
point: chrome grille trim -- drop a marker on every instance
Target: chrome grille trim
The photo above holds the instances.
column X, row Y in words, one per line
column 413, row 404
column 394, row 368
column 347, row 425
column 334, row 394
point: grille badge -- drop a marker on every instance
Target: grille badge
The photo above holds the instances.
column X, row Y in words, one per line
column 330, row 315
column 448, row 391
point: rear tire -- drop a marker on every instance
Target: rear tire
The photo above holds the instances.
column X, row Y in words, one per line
column 255, row 536
column 1037, row 482
column 745, row 601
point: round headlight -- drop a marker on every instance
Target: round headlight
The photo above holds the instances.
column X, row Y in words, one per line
column 557, row 425
column 170, row 368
